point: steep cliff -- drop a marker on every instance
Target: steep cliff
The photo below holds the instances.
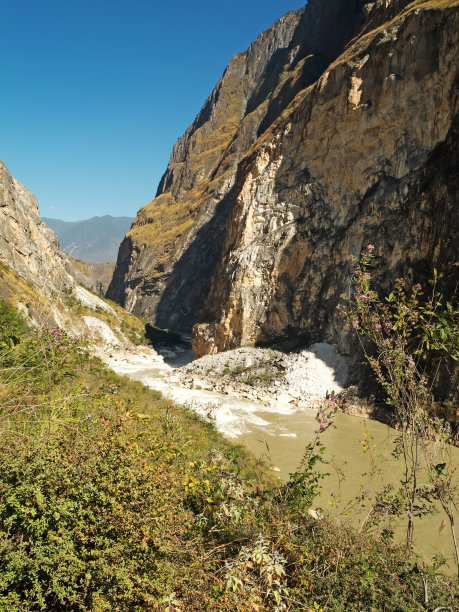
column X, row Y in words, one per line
column 337, row 128
column 27, row 244
column 166, row 261
column 45, row 283
column 368, row 154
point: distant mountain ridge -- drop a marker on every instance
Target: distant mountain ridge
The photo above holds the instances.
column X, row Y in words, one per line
column 92, row 240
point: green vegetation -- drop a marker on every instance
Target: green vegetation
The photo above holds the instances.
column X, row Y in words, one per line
column 134, row 328
column 113, row 498
column 410, row 339
column 14, row 288
column 254, row 375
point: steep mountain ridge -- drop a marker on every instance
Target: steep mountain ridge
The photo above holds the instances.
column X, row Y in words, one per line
column 348, row 137
column 28, row 245
column 166, row 261
column 45, row 283
column 344, row 166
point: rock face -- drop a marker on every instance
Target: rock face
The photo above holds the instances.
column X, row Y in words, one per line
column 366, row 155
column 27, row 245
column 336, row 129
column 166, row 261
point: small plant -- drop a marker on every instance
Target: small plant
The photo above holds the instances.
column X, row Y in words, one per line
column 260, row 568
column 12, row 326
column 216, row 494
column 406, row 338
column 304, row 485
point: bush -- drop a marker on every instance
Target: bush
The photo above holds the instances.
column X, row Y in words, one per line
column 12, row 326
column 110, row 499
column 86, row 524
column 406, row 337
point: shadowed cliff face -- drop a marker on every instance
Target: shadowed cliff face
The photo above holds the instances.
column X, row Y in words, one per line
column 365, row 155
column 166, row 261
column 335, row 129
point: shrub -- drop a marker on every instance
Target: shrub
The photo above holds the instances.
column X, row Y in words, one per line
column 406, row 337
column 12, row 326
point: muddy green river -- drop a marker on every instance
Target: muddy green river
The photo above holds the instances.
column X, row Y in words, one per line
column 278, row 434
column 351, row 470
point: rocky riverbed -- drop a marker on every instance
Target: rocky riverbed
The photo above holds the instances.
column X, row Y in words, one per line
column 271, row 379
column 300, row 378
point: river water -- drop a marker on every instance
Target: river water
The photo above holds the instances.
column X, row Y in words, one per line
column 279, row 433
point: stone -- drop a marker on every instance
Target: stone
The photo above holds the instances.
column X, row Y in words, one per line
column 336, row 129
column 27, row 244
column 331, row 176
column 166, row 261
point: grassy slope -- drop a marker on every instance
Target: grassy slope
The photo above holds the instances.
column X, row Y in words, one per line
column 111, row 500
column 16, row 290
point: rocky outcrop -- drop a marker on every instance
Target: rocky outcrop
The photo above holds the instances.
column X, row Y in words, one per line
column 27, row 245
column 299, row 378
column 45, row 283
column 368, row 154
column 166, row 261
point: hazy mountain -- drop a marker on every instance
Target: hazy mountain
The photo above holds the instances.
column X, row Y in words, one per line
column 91, row 240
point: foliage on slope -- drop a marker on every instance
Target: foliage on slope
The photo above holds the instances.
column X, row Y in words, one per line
column 18, row 291
column 113, row 498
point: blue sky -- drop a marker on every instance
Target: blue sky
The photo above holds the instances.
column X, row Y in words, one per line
column 95, row 93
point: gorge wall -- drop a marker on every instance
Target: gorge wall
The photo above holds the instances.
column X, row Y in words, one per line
column 166, row 261
column 28, row 245
column 337, row 128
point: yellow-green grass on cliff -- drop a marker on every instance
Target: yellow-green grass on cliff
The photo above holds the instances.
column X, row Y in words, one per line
column 432, row 4
column 162, row 223
column 16, row 290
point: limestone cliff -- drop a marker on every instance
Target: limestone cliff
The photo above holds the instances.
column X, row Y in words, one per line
column 166, row 261
column 45, row 283
column 368, row 154
column 27, row 245
column 337, row 128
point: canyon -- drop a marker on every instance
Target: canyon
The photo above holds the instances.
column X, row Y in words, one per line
column 212, row 435
column 337, row 128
